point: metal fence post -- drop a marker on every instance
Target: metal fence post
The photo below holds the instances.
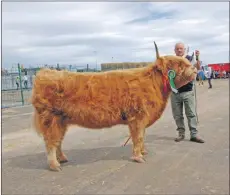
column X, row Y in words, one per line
column 20, row 79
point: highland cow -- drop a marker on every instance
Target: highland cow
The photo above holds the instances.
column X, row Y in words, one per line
column 135, row 97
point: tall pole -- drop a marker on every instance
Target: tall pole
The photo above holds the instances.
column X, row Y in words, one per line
column 20, row 80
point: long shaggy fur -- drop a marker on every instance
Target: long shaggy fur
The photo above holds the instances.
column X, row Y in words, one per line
column 133, row 97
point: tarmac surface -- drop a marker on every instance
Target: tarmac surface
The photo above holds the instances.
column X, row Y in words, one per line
column 98, row 164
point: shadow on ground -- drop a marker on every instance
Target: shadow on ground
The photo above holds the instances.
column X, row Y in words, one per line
column 163, row 139
column 75, row 157
column 86, row 156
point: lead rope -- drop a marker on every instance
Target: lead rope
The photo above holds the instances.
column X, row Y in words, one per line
column 194, row 84
column 127, row 140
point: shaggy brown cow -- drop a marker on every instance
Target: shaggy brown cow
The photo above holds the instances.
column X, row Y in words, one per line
column 134, row 97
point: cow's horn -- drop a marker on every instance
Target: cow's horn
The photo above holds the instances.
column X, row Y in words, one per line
column 157, row 52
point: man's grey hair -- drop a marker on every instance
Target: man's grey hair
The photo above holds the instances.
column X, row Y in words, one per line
column 179, row 43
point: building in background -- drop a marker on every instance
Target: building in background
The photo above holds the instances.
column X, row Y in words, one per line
column 124, row 65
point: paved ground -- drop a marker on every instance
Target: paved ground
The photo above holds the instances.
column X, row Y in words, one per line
column 99, row 165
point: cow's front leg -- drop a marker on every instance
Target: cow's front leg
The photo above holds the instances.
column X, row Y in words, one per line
column 137, row 135
column 143, row 148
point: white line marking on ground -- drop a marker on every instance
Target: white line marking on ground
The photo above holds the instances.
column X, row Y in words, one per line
column 17, row 107
column 17, row 115
column 23, row 106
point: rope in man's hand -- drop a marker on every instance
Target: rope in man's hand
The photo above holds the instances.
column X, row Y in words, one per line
column 126, row 141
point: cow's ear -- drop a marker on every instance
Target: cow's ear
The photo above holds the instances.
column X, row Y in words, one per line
column 161, row 65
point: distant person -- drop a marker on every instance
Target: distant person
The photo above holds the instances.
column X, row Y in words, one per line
column 25, row 81
column 17, row 82
column 200, row 77
column 224, row 74
column 209, row 77
column 217, row 73
column 214, row 74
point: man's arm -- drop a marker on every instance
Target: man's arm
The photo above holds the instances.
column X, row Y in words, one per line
column 197, row 65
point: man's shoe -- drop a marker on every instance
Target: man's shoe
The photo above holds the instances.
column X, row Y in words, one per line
column 179, row 138
column 196, row 139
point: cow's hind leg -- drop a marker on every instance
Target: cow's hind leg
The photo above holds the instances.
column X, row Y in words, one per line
column 52, row 127
column 53, row 143
column 53, row 134
column 51, row 156
column 143, row 148
column 60, row 154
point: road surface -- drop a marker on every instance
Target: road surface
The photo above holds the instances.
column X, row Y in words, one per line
column 99, row 165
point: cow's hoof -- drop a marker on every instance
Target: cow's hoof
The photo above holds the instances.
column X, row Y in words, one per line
column 55, row 167
column 63, row 161
column 138, row 159
column 144, row 152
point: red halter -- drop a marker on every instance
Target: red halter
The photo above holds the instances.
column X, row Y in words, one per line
column 165, row 84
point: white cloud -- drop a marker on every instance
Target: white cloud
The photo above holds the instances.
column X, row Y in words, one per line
column 71, row 32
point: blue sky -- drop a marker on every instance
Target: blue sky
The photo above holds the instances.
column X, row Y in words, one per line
column 70, row 32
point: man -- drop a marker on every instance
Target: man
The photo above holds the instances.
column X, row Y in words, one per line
column 209, row 77
column 17, row 82
column 25, row 81
column 224, row 74
column 200, row 76
column 186, row 97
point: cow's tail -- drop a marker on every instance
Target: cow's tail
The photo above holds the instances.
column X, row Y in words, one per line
column 36, row 123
